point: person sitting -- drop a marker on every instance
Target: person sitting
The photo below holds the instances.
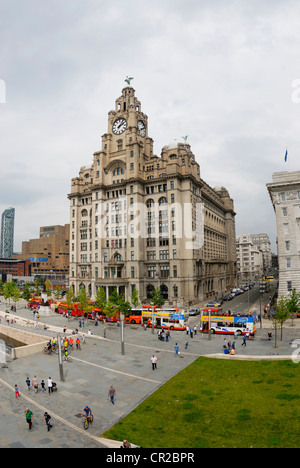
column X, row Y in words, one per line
column 226, row 351
column 126, row 444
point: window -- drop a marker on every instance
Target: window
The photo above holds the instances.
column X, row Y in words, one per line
column 288, row 263
column 151, row 271
column 289, row 286
column 284, row 212
column 282, row 196
column 287, row 246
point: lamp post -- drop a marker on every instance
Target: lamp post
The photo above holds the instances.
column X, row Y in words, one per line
column 122, row 334
column 209, row 324
column 60, row 364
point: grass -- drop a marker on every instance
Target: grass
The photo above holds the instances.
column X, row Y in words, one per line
column 216, row 403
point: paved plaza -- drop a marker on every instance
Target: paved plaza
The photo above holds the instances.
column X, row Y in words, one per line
column 98, row 365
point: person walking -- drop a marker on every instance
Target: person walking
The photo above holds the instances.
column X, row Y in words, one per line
column 112, row 394
column 186, row 344
column 29, row 417
column 47, row 419
column 50, row 386
column 35, row 384
column 17, row 394
column 28, row 384
column 176, row 347
column 244, row 341
column 154, row 362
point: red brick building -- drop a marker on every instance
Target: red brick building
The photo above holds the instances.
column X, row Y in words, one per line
column 14, row 267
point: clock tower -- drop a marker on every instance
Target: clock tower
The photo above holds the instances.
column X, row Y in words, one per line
column 133, row 217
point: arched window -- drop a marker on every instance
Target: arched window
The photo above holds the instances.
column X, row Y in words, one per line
column 118, row 257
column 150, row 289
column 162, row 201
column 84, row 213
column 150, row 203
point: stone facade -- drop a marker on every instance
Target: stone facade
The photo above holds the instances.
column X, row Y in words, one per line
column 249, row 259
column 139, row 220
column 285, row 195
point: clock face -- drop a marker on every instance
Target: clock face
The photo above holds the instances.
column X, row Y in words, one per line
column 119, row 126
column 141, row 128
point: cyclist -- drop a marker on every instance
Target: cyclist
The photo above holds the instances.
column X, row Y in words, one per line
column 87, row 412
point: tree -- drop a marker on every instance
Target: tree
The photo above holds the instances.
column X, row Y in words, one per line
column 8, row 290
column 293, row 304
column 16, row 294
column 101, row 298
column 157, row 298
column 26, row 292
column 48, row 287
column 83, row 299
column 70, row 297
column 281, row 314
column 135, row 299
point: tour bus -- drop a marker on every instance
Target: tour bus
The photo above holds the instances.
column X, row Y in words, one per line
column 227, row 324
column 170, row 318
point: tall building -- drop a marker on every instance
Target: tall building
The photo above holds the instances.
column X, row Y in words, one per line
column 250, row 262
column 49, row 254
column 139, row 220
column 285, row 196
column 7, row 233
column 263, row 243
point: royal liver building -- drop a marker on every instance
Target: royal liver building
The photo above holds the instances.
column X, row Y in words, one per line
column 139, row 220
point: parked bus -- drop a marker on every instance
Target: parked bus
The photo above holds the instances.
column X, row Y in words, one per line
column 135, row 316
column 228, row 324
column 171, row 318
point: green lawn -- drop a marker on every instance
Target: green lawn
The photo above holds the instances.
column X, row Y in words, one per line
column 219, row 403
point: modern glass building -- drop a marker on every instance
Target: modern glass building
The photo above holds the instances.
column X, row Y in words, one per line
column 7, row 233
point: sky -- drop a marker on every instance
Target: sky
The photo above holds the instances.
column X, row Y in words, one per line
column 226, row 73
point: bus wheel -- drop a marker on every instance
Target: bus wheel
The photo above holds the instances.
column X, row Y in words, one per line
column 239, row 332
column 212, row 331
column 132, row 321
column 171, row 328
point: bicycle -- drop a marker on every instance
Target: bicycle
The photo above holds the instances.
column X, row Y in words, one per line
column 87, row 421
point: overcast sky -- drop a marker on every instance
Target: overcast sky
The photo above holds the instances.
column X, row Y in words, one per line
column 223, row 72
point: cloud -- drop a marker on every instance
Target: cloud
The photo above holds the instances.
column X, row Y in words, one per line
column 220, row 72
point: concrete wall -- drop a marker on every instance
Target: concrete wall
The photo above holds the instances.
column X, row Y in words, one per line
column 32, row 343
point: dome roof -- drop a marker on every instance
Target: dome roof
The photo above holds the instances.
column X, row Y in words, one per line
column 219, row 188
column 173, row 144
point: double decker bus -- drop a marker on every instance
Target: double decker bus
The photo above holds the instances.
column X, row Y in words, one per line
column 227, row 324
column 169, row 318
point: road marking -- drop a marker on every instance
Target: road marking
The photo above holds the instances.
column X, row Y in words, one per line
column 116, row 371
column 106, row 442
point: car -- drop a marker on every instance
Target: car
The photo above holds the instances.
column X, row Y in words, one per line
column 194, row 312
column 229, row 297
column 213, row 304
column 298, row 315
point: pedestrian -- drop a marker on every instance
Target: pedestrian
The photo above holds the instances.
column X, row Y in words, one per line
column 176, row 347
column 50, row 386
column 28, row 383
column 104, row 332
column 112, row 394
column 47, row 419
column 186, row 344
column 167, row 336
column 187, row 329
column 154, row 362
column 43, row 386
column 191, row 332
column 35, row 384
column 29, row 417
column 244, row 341
column 195, row 330
column 17, row 394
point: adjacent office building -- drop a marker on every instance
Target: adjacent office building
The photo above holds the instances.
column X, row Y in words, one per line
column 7, row 233
column 285, row 196
column 139, row 220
